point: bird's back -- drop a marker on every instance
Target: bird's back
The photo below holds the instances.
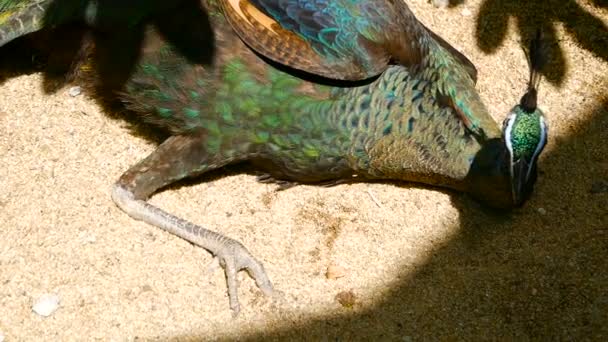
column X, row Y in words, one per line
column 391, row 127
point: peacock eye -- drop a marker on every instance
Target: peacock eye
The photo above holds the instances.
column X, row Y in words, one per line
column 505, row 122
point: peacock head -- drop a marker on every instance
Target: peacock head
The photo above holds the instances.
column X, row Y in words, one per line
column 525, row 130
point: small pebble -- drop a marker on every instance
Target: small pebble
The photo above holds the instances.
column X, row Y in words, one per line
column 74, row 91
column 335, row 272
column 466, row 12
column 346, row 298
column 542, row 211
column 87, row 237
column 598, row 187
column 441, row 3
column 1, row 337
column 46, row 304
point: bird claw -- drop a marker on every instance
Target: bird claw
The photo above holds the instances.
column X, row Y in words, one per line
column 234, row 257
column 266, row 178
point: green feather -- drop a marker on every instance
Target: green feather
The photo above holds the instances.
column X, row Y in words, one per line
column 525, row 134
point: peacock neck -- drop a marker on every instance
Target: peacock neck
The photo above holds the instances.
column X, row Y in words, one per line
column 456, row 85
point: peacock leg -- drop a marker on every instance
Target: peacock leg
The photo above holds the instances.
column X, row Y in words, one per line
column 176, row 158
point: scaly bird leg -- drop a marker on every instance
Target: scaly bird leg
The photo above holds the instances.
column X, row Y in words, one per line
column 177, row 158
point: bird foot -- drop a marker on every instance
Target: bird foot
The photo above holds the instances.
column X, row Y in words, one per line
column 234, row 257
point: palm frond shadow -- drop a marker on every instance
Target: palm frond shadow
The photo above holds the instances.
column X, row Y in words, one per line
column 64, row 54
column 587, row 30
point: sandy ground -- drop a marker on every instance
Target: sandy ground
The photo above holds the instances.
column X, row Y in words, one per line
column 420, row 263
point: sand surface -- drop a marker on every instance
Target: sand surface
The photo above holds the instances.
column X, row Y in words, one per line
column 420, row 263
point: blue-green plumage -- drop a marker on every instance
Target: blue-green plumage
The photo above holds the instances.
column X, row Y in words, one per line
column 307, row 132
column 332, row 28
column 358, row 39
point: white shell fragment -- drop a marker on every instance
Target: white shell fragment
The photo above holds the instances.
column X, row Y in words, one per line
column 46, row 304
column 441, row 3
column 74, row 91
column 335, row 272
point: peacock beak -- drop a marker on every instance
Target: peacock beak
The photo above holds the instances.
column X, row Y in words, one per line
column 519, row 179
